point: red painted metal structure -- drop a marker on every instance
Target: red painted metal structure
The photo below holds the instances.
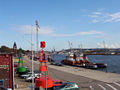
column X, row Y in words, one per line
column 43, row 80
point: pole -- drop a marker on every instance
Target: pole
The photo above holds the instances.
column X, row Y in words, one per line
column 46, row 71
column 13, row 72
column 37, row 37
column 45, row 78
column 69, row 46
column 81, row 48
column 32, row 58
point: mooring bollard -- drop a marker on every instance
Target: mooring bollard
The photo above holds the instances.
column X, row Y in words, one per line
column 16, row 85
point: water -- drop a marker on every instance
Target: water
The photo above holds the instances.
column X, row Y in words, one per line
column 58, row 58
column 112, row 61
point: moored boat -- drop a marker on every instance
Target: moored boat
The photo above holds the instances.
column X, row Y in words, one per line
column 81, row 60
column 78, row 60
column 100, row 65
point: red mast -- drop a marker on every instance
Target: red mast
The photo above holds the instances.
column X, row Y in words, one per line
column 43, row 80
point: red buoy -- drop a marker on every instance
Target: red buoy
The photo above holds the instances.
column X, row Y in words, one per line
column 43, row 80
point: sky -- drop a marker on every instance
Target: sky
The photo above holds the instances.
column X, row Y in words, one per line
column 84, row 23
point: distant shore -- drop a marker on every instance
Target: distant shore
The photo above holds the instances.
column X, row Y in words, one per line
column 100, row 54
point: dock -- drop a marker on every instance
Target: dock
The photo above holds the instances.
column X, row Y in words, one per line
column 86, row 79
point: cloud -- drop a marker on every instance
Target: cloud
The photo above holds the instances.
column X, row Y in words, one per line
column 93, row 32
column 95, row 21
column 100, row 16
column 88, row 33
column 97, row 13
column 101, row 45
column 26, row 29
column 83, row 10
column 115, row 45
column 47, row 30
column 114, row 17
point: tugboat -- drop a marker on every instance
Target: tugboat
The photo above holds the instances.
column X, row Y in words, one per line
column 74, row 60
column 99, row 65
column 69, row 60
column 82, row 61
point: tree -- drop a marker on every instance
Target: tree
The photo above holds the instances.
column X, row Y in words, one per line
column 5, row 49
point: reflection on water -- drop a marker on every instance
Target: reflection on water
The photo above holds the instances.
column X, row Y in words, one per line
column 112, row 61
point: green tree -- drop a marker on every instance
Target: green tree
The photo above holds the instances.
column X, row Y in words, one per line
column 5, row 49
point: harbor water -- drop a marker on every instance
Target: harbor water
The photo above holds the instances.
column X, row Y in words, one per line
column 112, row 61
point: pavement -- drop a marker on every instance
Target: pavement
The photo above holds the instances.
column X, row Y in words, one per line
column 93, row 74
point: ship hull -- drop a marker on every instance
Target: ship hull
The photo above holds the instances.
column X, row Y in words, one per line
column 80, row 64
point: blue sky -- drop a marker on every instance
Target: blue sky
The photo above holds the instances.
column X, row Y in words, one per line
column 86, row 22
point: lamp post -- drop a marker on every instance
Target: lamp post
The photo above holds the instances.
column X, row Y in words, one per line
column 32, row 58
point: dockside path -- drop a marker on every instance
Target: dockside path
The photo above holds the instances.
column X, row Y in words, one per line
column 93, row 74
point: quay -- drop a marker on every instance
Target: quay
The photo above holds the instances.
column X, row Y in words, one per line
column 86, row 79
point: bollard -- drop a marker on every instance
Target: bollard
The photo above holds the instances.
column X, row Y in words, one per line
column 16, row 85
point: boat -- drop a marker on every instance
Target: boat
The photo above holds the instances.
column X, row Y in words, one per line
column 77, row 60
column 100, row 65
column 90, row 66
column 82, row 61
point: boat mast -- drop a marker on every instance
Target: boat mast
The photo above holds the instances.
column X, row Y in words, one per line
column 104, row 44
column 80, row 47
column 70, row 45
column 105, row 47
